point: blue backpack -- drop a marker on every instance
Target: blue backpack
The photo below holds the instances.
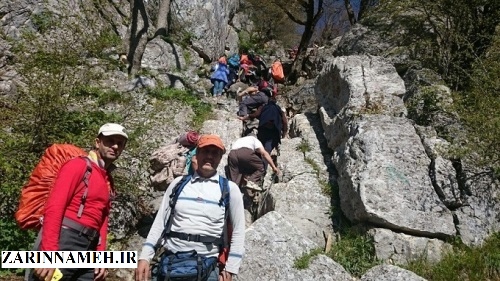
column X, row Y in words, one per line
column 234, row 61
column 189, row 265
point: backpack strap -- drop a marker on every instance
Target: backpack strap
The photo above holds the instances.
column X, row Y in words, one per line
column 224, row 190
column 85, row 180
column 176, row 191
column 174, row 196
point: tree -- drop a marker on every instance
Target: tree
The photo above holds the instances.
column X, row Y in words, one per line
column 307, row 14
column 479, row 107
column 141, row 30
column 350, row 12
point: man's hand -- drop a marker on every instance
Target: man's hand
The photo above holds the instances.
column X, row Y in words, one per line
column 277, row 171
column 44, row 273
column 225, row 276
column 142, row 271
column 100, row 274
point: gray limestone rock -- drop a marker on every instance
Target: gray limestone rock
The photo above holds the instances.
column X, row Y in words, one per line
column 383, row 178
column 400, row 248
column 302, row 203
column 382, row 165
column 272, row 245
column 390, row 273
column 207, row 24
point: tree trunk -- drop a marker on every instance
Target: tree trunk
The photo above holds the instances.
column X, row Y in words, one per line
column 298, row 64
column 350, row 12
column 312, row 18
column 162, row 18
column 138, row 35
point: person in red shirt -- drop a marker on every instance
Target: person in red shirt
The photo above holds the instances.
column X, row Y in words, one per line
column 68, row 227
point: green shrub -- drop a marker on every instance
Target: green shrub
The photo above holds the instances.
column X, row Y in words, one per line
column 202, row 111
column 355, row 252
column 43, row 21
column 303, row 147
column 303, row 261
column 463, row 263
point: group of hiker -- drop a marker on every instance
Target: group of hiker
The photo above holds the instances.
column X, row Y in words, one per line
column 199, row 230
column 247, row 68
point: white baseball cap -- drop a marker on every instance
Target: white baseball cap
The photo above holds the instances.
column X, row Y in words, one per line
column 110, row 129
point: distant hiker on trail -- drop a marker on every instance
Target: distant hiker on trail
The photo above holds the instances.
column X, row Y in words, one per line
column 68, row 225
column 234, row 66
column 253, row 101
column 277, row 73
column 219, row 76
column 197, row 229
column 273, row 125
column 247, row 92
column 245, row 161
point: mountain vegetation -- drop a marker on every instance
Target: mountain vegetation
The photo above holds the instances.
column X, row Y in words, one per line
column 459, row 39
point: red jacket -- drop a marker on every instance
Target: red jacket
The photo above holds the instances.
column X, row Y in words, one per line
column 65, row 199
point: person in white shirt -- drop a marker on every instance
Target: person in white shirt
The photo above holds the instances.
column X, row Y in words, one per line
column 197, row 213
column 245, row 161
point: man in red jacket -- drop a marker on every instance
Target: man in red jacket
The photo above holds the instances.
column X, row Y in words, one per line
column 69, row 224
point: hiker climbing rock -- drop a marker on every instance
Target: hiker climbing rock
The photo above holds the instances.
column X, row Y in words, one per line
column 253, row 101
column 246, row 167
column 219, row 77
column 273, row 126
column 245, row 161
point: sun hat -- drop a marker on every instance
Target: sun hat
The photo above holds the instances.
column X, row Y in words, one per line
column 111, row 129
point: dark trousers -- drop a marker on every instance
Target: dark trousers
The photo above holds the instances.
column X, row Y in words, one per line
column 245, row 162
column 251, row 102
column 69, row 240
column 270, row 139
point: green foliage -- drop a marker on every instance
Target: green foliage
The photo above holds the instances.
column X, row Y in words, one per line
column 463, row 263
column 422, row 108
column 354, row 252
column 202, row 111
column 43, row 21
column 326, row 188
column 248, row 42
column 479, row 106
column 303, row 261
column 447, row 36
column 103, row 96
column 303, row 147
column 14, row 239
column 270, row 23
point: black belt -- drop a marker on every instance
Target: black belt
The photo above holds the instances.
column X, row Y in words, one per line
column 77, row 227
column 195, row 237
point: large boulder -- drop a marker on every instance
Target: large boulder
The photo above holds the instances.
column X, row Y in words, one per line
column 207, row 24
column 272, row 244
column 383, row 168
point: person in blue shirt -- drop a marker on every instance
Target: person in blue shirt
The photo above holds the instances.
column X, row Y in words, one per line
column 219, row 76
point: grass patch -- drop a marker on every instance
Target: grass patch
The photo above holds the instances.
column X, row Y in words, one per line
column 103, row 96
column 202, row 111
column 313, row 164
column 303, row 261
column 463, row 263
column 354, row 252
column 303, row 147
column 326, row 188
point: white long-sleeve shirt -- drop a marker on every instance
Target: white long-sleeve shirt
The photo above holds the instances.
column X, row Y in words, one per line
column 198, row 212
